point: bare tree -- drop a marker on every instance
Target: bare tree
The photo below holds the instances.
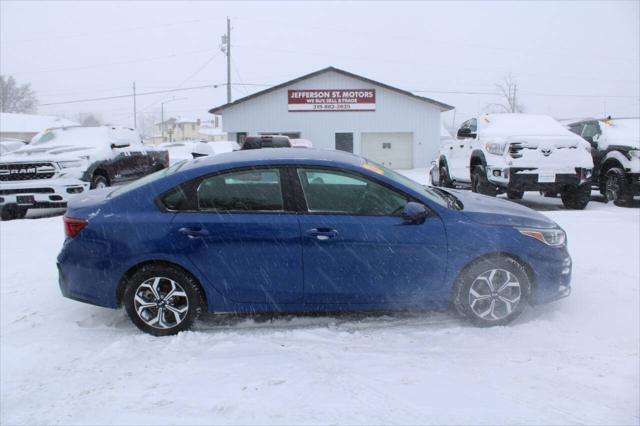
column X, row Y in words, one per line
column 508, row 90
column 16, row 98
column 89, row 119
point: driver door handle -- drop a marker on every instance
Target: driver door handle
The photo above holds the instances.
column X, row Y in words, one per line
column 322, row 234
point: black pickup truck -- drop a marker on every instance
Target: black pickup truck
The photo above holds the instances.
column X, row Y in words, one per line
column 61, row 162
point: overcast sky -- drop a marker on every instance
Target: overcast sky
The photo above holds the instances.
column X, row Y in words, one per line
column 570, row 59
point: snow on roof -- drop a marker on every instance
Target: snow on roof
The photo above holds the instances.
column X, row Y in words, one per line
column 623, row 131
column 504, row 125
column 30, row 123
column 211, row 131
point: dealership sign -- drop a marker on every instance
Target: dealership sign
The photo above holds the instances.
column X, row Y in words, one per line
column 332, row 100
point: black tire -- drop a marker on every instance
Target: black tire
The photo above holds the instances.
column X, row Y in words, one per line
column 480, row 183
column 99, row 181
column 616, row 187
column 444, row 178
column 193, row 301
column 463, row 298
column 11, row 212
column 576, row 198
column 515, row 195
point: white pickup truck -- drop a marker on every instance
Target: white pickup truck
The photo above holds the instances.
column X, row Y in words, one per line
column 514, row 153
column 61, row 162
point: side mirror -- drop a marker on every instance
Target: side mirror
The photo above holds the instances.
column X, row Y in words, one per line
column 465, row 133
column 120, row 145
column 414, row 213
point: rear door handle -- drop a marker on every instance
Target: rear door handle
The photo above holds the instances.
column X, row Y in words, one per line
column 194, row 232
column 322, row 234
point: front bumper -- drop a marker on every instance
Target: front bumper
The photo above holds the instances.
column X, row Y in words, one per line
column 533, row 179
column 633, row 179
column 552, row 275
column 41, row 193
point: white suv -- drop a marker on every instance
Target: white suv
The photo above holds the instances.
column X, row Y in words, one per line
column 514, row 153
column 616, row 154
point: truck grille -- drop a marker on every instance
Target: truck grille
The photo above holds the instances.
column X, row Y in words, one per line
column 515, row 148
column 26, row 171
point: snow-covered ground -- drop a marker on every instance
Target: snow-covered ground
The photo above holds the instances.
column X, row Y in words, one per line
column 575, row 361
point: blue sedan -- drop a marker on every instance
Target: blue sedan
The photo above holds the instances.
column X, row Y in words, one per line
column 302, row 230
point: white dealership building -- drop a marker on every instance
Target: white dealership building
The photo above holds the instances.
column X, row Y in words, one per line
column 336, row 109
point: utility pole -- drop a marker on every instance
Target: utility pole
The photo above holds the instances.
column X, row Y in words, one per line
column 135, row 121
column 225, row 47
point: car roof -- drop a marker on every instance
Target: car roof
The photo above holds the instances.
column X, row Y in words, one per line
column 275, row 156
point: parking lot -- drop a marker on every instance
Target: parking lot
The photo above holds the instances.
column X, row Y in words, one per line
column 571, row 362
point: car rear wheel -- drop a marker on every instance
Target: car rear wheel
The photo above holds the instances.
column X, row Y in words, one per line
column 576, row 198
column 492, row 291
column 616, row 187
column 162, row 300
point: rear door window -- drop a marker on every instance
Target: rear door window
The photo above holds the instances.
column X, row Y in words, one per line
column 242, row 191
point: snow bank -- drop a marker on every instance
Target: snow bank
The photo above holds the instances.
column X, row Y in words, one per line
column 572, row 362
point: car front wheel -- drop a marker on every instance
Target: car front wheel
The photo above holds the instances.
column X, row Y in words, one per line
column 162, row 300
column 99, row 182
column 492, row 292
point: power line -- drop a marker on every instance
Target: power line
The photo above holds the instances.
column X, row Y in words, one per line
column 129, row 95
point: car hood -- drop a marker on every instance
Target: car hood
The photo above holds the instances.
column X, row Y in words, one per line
column 48, row 153
column 497, row 211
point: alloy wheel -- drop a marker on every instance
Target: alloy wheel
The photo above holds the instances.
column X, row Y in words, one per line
column 494, row 294
column 612, row 187
column 161, row 302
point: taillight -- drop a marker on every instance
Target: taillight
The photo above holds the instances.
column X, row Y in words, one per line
column 72, row 227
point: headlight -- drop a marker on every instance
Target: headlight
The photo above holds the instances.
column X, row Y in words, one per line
column 495, row 148
column 70, row 164
column 551, row 237
column 634, row 153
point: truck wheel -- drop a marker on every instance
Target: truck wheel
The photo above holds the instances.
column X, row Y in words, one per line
column 444, row 179
column 577, row 198
column 12, row 211
column 99, row 181
column 480, row 183
column 515, row 195
column 616, row 188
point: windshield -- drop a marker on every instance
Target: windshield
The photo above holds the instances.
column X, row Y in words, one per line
column 148, row 179
column 432, row 195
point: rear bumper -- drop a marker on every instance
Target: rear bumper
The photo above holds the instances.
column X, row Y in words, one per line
column 519, row 179
column 40, row 193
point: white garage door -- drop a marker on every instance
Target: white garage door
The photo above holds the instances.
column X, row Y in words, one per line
column 394, row 150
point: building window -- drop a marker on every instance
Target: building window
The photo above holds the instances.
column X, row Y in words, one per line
column 344, row 142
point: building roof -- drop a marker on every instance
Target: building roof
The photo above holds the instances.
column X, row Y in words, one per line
column 31, row 123
column 442, row 106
